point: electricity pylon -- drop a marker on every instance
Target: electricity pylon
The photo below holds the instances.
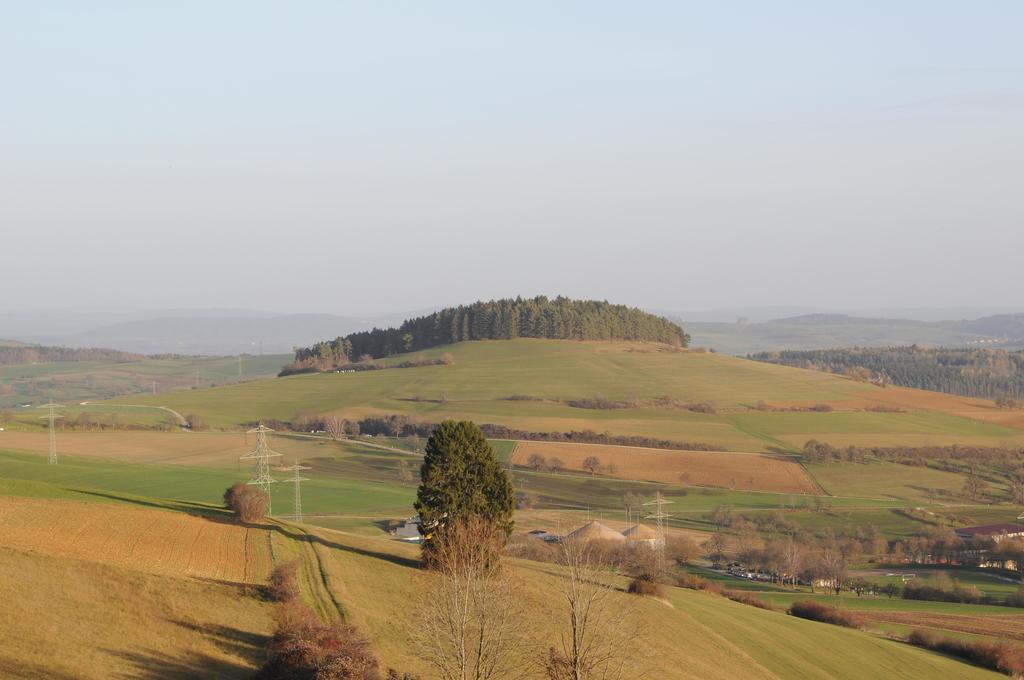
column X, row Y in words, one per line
column 51, row 416
column 261, row 456
column 659, row 516
column 297, row 481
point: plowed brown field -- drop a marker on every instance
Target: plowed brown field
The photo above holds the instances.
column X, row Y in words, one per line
column 1011, row 626
column 152, row 541
column 743, row 471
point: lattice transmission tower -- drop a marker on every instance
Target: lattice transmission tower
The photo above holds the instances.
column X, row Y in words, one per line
column 297, row 480
column 52, row 416
column 659, row 516
column 261, row 456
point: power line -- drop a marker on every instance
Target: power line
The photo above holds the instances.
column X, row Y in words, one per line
column 52, row 416
column 261, row 456
column 297, row 481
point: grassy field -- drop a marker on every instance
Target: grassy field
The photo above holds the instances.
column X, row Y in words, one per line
column 333, row 495
column 66, row 618
column 141, row 539
column 695, row 636
column 485, row 374
column 76, row 381
column 886, row 480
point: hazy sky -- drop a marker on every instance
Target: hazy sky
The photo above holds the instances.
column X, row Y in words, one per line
column 352, row 157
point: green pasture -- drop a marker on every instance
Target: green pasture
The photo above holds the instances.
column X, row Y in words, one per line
column 887, row 480
column 485, row 374
column 84, row 477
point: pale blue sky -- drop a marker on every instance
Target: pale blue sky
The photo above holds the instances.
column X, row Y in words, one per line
column 352, row 157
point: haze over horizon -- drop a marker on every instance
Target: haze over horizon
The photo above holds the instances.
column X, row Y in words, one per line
column 370, row 159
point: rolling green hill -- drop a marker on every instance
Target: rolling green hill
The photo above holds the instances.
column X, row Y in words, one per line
column 658, row 385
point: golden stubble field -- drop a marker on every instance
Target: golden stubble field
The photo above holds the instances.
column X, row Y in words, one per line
column 140, row 539
column 741, row 471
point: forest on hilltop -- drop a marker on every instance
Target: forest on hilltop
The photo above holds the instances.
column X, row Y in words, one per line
column 984, row 373
column 540, row 317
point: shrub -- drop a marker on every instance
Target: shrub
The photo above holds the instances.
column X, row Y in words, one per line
column 703, row 407
column 284, row 581
column 997, row 657
column 247, row 502
column 747, row 599
column 936, row 593
column 694, row 582
column 815, row 611
column 822, row 408
column 645, row 585
column 303, row 647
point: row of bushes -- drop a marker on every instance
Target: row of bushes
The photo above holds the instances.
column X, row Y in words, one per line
column 359, row 366
column 600, row 402
column 815, row 611
column 398, row 425
column 997, row 657
column 693, row 582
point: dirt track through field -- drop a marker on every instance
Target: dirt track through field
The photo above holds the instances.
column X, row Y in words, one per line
column 152, row 541
column 741, row 471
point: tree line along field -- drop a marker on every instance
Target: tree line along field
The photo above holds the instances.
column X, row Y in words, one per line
column 76, row 381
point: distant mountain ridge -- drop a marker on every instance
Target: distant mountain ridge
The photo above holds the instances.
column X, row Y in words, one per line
column 816, row 331
column 205, row 332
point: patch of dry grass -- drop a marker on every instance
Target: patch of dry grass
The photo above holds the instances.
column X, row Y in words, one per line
column 742, row 471
column 141, row 539
column 67, row 618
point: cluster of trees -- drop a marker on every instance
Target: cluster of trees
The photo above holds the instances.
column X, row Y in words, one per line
column 540, row 317
column 791, row 555
column 1003, row 457
column 39, row 354
column 984, row 373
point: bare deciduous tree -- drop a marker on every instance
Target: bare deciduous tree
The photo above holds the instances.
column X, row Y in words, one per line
column 592, row 464
column 469, row 625
column 599, row 633
column 335, row 426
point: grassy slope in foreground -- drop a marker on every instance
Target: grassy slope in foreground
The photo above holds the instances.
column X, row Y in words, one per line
column 486, row 373
column 697, row 636
column 101, row 590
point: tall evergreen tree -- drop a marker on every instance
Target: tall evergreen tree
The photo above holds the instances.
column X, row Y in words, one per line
column 461, row 478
